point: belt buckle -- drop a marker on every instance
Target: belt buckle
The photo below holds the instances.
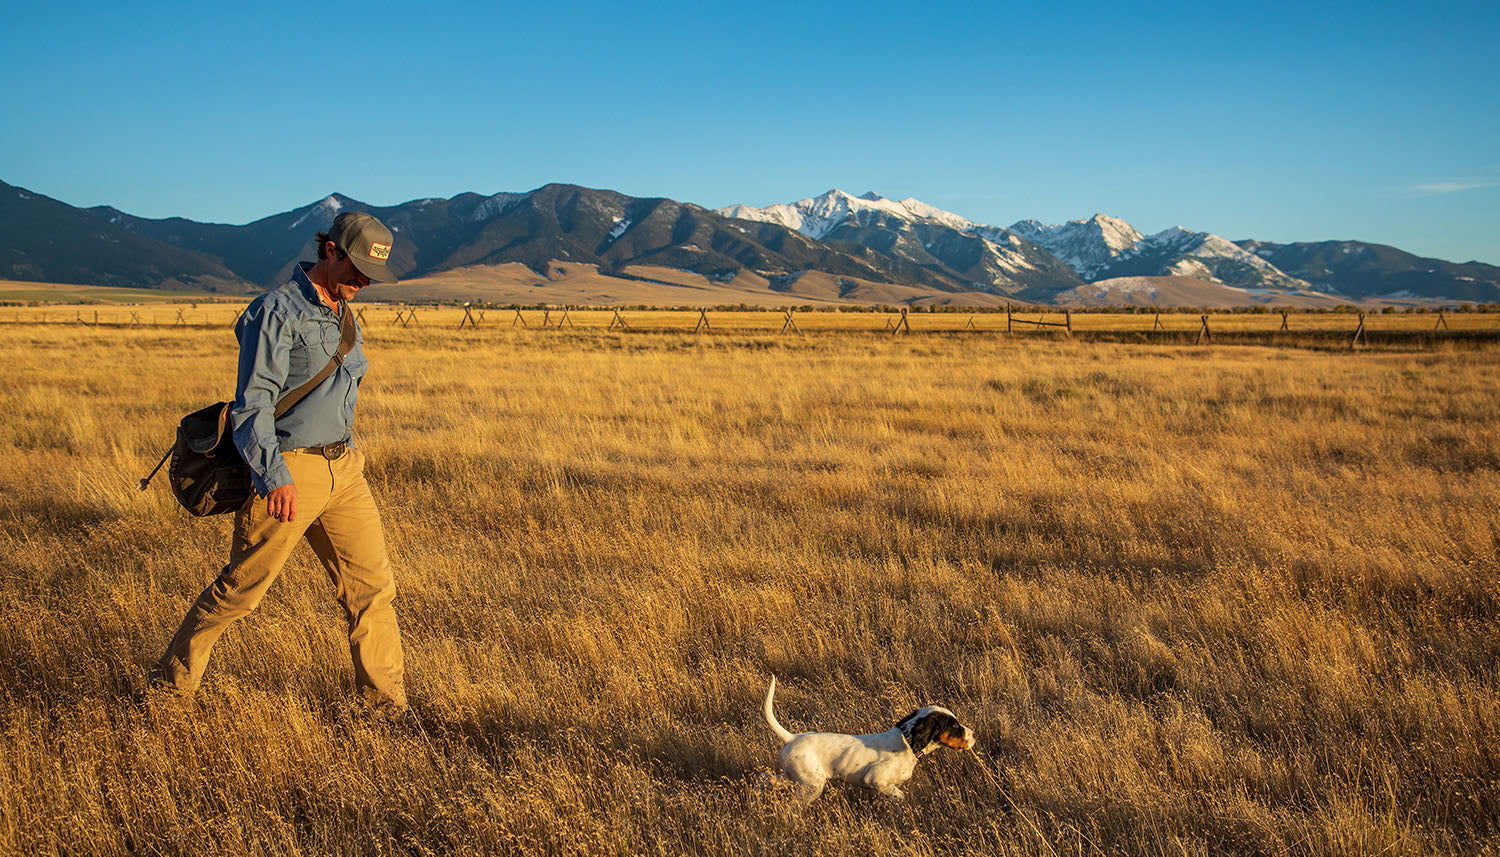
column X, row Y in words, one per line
column 335, row 451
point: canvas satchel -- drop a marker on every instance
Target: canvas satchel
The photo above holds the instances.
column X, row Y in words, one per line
column 208, row 475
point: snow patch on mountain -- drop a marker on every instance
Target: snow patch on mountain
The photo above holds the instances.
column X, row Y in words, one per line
column 923, row 211
column 1128, row 286
column 1190, row 267
column 1212, row 246
column 495, row 205
column 325, row 210
column 1006, row 259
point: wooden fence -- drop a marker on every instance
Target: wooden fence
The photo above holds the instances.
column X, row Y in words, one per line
column 1351, row 330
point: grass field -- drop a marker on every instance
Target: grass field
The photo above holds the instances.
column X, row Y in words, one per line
column 1194, row 600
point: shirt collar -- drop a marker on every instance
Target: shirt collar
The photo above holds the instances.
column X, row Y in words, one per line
column 309, row 291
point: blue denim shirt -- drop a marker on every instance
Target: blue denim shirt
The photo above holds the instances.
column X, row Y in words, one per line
column 287, row 336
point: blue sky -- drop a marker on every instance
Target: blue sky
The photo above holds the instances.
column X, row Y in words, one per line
column 1285, row 122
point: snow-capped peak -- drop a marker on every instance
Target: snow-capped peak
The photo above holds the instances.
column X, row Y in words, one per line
column 1087, row 246
column 1117, row 234
column 817, row 216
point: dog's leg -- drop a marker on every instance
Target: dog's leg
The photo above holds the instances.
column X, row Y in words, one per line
column 808, row 772
column 809, row 781
column 807, row 792
column 890, row 791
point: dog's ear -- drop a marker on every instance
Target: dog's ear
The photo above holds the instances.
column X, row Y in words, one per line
column 943, row 725
column 917, row 728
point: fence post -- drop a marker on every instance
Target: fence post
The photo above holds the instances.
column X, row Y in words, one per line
column 790, row 324
column 618, row 319
column 1068, row 319
column 519, row 317
column 903, row 324
column 970, row 325
column 1156, row 323
column 1007, row 318
column 702, row 320
column 358, row 314
column 1441, row 322
column 1359, row 333
column 565, row 319
column 1204, row 332
column 468, row 317
column 1283, row 320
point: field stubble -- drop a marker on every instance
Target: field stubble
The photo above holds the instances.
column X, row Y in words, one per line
column 1195, row 601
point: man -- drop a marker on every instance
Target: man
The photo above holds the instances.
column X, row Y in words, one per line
column 309, row 477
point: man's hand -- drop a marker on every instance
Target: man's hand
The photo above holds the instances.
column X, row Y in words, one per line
column 281, row 503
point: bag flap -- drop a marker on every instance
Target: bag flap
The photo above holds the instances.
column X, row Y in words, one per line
column 202, row 430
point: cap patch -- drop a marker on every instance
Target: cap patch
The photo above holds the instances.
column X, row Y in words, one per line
column 380, row 251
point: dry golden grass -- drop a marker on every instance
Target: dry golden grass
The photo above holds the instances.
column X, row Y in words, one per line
column 1195, row 601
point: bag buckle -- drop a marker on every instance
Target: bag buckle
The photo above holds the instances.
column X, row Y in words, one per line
column 335, row 451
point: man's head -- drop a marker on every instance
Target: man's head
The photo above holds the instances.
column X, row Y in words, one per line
column 355, row 250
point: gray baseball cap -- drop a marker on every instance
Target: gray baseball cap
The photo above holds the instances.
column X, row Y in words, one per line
column 367, row 242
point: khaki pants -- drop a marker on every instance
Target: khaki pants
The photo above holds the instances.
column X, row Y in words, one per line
column 337, row 515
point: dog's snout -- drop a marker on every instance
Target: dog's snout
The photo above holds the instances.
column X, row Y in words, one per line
column 962, row 738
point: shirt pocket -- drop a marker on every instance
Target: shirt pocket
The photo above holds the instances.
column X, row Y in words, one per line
column 355, row 362
column 312, row 345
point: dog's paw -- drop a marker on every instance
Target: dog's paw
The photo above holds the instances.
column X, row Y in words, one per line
column 770, row 781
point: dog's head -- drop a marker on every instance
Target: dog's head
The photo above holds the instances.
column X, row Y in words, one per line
column 931, row 725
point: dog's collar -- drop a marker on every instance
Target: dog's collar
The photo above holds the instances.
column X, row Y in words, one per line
column 918, row 753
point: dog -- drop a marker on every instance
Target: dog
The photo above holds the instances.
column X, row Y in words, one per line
column 880, row 760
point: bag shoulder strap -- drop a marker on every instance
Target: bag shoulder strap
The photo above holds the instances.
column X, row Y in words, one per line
column 346, row 344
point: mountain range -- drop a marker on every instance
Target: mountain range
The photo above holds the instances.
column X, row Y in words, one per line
column 835, row 247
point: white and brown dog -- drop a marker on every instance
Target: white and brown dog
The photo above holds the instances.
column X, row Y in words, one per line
column 880, row 760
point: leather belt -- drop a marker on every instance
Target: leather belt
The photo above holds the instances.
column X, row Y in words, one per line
column 332, row 451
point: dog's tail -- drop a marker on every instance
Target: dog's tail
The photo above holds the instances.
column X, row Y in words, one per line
column 780, row 730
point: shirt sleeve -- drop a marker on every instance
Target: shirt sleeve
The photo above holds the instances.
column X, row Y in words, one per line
column 265, row 348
